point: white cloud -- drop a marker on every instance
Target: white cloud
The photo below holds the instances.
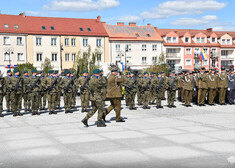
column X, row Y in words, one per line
column 190, row 22
column 224, row 28
column 80, row 5
column 182, row 7
column 128, row 19
column 36, row 13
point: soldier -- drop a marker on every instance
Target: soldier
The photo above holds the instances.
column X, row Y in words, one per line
column 82, row 82
column 95, row 85
column 58, row 89
column 133, row 90
column 158, row 85
column 1, row 94
column 103, row 89
column 188, row 88
column 195, row 88
column 165, row 81
column 114, row 93
column 42, row 93
column 127, row 91
column 16, row 85
column 34, row 90
column 8, row 92
column 222, row 86
column 67, row 85
column 180, row 85
column 217, row 89
column 146, row 84
column 212, row 85
column 202, row 83
column 26, row 95
column 231, row 86
column 138, row 85
column 171, row 83
column 50, row 84
column 74, row 91
column 152, row 91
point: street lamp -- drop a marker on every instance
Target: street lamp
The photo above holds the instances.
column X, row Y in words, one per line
column 9, row 51
column 61, row 49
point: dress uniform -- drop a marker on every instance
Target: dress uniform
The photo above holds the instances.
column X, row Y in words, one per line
column 188, row 88
column 202, row 85
column 8, row 91
column 212, row 85
column 26, row 90
column 222, row 85
column 34, row 92
column 95, row 85
column 171, row 85
column 231, row 86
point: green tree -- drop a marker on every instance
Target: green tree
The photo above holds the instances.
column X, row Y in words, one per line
column 25, row 66
column 160, row 65
column 46, row 65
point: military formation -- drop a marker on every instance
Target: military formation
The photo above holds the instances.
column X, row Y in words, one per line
column 39, row 90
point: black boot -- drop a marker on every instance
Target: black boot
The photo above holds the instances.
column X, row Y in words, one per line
column 103, row 117
column 160, row 106
column 14, row 114
column 100, row 124
column 20, row 114
column 148, row 107
column 1, row 115
column 83, row 110
column 173, row 106
column 84, row 121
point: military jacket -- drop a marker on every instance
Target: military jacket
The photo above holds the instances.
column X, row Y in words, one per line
column 1, row 85
column 13, row 81
column 158, row 84
column 202, row 81
column 223, row 80
column 95, row 85
column 47, row 83
column 188, row 82
column 114, row 89
column 7, row 84
column 231, row 81
column 64, row 83
column 26, row 85
column 80, row 82
column 171, row 83
column 212, row 81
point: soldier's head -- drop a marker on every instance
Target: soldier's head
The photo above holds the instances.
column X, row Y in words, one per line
column 114, row 70
column 132, row 74
column 187, row 72
column 216, row 72
column 171, row 73
column 56, row 73
column 227, row 71
column 42, row 73
column 159, row 75
column 25, row 73
column 67, row 73
column 96, row 72
column 203, row 69
column 140, row 74
column 232, row 71
column 72, row 73
column 16, row 72
column 146, row 74
column 101, row 72
column 163, row 73
column 128, row 74
column 223, row 70
column 34, row 72
column 191, row 73
column 207, row 72
column 212, row 70
column 9, row 72
column 50, row 72
column 84, row 73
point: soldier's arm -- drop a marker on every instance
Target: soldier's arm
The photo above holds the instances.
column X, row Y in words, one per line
column 121, row 80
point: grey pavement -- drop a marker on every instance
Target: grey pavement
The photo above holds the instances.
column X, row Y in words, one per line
column 183, row 137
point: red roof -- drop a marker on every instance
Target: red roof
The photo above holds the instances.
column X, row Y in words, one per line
column 62, row 26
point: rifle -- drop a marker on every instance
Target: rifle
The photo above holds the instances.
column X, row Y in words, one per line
column 146, row 87
column 84, row 86
column 17, row 84
column 66, row 89
column 160, row 85
column 52, row 85
column 170, row 88
column 34, row 84
column 77, row 72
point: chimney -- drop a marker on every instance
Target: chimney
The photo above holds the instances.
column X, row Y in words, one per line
column 99, row 18
column 22, row 14
column 155, row 28
column 120, row 24
column 209, row 30
column 149, row 25
column 132, row 24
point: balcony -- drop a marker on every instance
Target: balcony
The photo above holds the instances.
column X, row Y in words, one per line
column 173, row 55
column 196, row 56
column 214, row 55
column 227, row 57
column 197, row 66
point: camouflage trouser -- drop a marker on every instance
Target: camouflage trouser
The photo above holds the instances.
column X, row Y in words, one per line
column 68, row 101
column 127, row 98
column 42, row 100
column 159, row 98
column 116, row 105
column 74, row 93
column 85, row 99
column 34, row 101
column 16, row 102
column 139, row 97
column 1, row 100
column 27, row 103
column 103, row 96
column 163, row 94
column 188, row 97
column 153, row 96
column 212, row 94
column 96, row 105
column 222, row 94
column 171, row 97
column 51, row 101
column 182, row 95
column 8, row 100
column 146, row 98
column 58, row 98
column 202, row 96
column 132, row 99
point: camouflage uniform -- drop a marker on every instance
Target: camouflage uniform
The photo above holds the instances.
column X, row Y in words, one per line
column 139, row 93
column 26, row 96
column 1, row 94
column 8, row 93
column 74, row 93
column 42, row 95
column 171, row 83
column 146, row 84
column 132, row 93
column 35, row 89
column 66, row 83
column 103, row 91
column 83, row 94
column 158, row 85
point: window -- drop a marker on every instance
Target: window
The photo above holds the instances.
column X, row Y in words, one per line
column 203, row 40
column 137, row 35
column 128, row 60
column 98, row 57
column 228, row 41
column 128, row 47
column 186, row 40
column 73, row 42
column 81, row 29
column 19, row 41
column 73, row 57
column 6, row 57
column 223, row 41
column 188, row 62
column 154, row 59
column 224, row 52
column 174, row 40
column 67, row 57
column 39, row 57
column 205, row 62
column 205, row 50
column 53, row 41
column 196, row 52
column 117, row 47
column 168, row 39
column 197, row 62
column 144, row 60
column 20, row 57
column 6, row 26
column 52, row 28
column 98, row 42
column 144, row 47
column 16, row 26
column 171, row 50
column 213, row 40
column 43, row 28
column 89, row 29
column 148, row 35
column 66, row 41
column 154, row 47
column 213, row 50
column 85, row 42
column 188, row 51
column 6, row 41
column 53, row 57
column 38, row 41
column 198, row 40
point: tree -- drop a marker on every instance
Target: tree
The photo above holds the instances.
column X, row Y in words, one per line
column 160, row 65
column 25, row 66
column 46, row 65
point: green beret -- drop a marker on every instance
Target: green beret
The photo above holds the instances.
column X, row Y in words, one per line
column 128, row 73
column 162, row 72
column 101, row 70
column 34, row 71
column 25, row 71
column 159, row 73
column 15, row 71
column 203, row 68
column 41, row 71
column 146, row 73
column 50, row 71
column 8, row 71
column 56, row 72
column 84, row 72
column 96, row 71
column 139, row 73
column 67, row 72
column 151, row 73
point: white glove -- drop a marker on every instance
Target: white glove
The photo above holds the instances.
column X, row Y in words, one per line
column 194, row 89
column 228, row 89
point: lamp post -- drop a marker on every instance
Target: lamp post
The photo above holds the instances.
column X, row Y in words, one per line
column 61, row 49
column 9, row 51
column 126, row 50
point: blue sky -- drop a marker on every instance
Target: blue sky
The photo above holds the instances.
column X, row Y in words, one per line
column 200, row 14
